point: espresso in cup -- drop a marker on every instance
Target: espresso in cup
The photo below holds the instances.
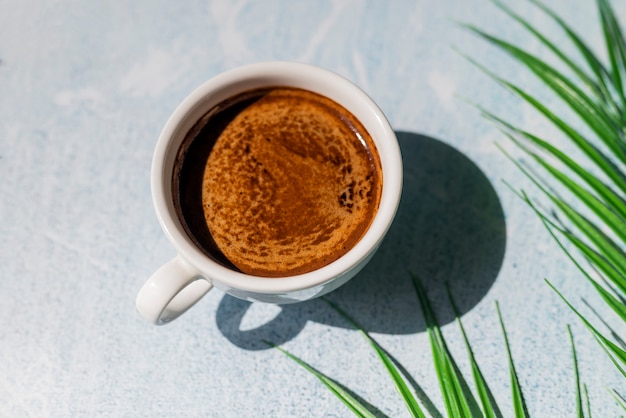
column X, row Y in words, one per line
column 277, row 182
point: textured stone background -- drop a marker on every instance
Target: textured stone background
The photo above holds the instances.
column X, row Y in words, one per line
column 85, row 88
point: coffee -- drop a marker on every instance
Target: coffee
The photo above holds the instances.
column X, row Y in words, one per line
column 277, row 182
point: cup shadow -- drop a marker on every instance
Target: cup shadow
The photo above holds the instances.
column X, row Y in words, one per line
column 450, row 231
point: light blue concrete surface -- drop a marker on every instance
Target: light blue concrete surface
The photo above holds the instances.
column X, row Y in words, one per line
column 85, row 88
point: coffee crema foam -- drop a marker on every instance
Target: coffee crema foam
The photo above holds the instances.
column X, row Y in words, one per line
column 291, row 183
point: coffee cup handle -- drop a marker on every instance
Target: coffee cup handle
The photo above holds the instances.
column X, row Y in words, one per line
column 172, row 289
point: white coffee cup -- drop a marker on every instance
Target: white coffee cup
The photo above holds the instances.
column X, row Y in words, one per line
column 182, row 281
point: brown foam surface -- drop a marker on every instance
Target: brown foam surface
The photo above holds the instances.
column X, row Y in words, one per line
column 291, row 184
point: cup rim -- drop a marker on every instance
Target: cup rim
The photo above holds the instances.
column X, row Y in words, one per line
column 291, row 74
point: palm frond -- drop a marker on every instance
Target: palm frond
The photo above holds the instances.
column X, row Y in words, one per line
column 592, row 219
column 458, row 398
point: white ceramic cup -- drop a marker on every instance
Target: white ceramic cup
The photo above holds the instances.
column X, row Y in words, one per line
column 181, row 282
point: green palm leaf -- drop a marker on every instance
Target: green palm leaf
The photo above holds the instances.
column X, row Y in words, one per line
column 525, row 140
column 404, row 390
column 357, row 407
column 519, row 404
column 579, row 400
column 597, row 85
column 596, row 211
column 615, row 302
column 597, row 117
column 615, row 352
column 489, row 406
column 582, row 75
column 619, row 398
column 616, row 47
column 458, row 400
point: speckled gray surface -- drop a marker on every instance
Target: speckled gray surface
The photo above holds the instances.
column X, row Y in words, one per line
column 85, row 89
